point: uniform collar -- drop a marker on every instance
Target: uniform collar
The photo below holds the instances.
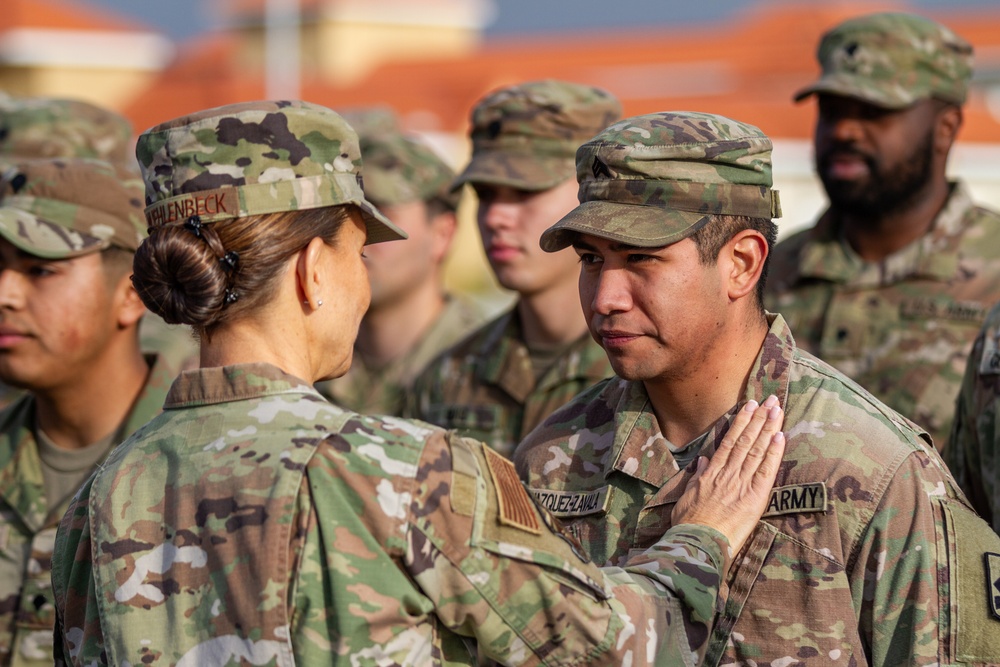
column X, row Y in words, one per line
column 223, row 384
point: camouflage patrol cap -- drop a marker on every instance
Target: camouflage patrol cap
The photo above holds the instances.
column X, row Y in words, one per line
column 525, row 136
column 67, row 207
column 653, row 180
column 892, row 60
column 42, row 127
column 371, row 121
column 400, row 170
column 254, row 158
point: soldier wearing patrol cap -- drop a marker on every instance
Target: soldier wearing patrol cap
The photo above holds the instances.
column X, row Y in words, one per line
column 892, row 283
column 868, row 553
column 411, row 318
column 52, row 127
column 505, row 378
column 255, row 522
column 69, row 337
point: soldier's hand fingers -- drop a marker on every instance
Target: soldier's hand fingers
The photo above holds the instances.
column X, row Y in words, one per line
column 761, row 444
column 736, row 428
column 763, row 479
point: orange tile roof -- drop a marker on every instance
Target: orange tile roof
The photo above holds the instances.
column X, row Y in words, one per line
column 747, row 68
column 62, row 15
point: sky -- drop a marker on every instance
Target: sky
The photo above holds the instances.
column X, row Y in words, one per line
column 181, row 19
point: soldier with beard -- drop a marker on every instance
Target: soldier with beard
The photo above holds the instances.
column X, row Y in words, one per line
column 892, row 283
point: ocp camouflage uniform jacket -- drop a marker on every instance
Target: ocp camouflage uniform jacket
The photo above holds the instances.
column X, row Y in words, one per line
column 383, row 390
column 973, row 452
column 255, row 523
column 485, row 387
column 901, row 328
column 28, row 524
column 867, row 549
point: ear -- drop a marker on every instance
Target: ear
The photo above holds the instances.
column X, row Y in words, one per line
column 309, row 277
column 744, row 257
column 443, row 228
column 946, row 127
column 129, row 306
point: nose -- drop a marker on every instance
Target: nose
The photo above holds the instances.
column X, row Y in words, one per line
column 609, row 291
column 495, row 215
column 11, row 292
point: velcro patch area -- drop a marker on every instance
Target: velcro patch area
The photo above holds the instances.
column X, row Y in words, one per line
column 516, row 508
column 992, row 562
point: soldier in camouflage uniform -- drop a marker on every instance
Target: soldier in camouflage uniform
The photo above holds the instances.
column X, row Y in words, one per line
column 411, row 318
column 868, row 553
column 44, row 127
column 893, row 282
column 69, row 337
column 505, row 378
column 973, row 453
column 255, row 523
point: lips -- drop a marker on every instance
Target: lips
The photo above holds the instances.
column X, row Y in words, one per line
column 846, row 165
column 502, row 252
column 10, row 336
column 616, row 338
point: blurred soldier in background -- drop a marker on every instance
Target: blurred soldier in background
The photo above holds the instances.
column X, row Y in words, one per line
column 69, row 322
column 893, row 282
column 411, row 318
column 503, row 380
column 45, row 127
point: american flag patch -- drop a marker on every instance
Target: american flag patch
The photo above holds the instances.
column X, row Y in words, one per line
column 517, row 509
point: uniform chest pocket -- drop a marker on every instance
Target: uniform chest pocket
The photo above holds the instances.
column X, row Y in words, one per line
column 785, row 603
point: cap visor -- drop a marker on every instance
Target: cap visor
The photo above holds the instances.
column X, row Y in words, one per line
column 29, row 233
column 377, row 225
column 630, row 224
column 523, row 172
column 846, row 86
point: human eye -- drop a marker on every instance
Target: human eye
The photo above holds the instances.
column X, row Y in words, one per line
column 639, row 258
column 41, row 270
column 588, row 257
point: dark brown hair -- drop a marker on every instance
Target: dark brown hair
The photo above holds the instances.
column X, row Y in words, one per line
column 721, row 228
column 204, row 274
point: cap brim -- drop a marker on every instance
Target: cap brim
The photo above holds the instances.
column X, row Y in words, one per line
column 861, row 89
column 48, row 240
column 379, row 228
column 631, row 224
column 523, row 172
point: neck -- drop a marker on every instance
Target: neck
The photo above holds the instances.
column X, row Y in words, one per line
column 552, row 317
column 94, row 406
column 388, row 332
column 875, row 238
column 688, row 405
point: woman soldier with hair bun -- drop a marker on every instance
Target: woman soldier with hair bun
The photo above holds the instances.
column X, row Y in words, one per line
column 255, row 523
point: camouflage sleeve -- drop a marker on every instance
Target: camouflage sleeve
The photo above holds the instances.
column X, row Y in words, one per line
column 924, row 573
column 79, row 639
column 498, row 569
column 972, row 452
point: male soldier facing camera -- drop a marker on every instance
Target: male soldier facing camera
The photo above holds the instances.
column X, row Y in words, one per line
column 868, row 553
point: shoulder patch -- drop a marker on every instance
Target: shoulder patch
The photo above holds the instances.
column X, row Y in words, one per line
column 989, row 362
column 797, row 499
column 516, row 508
column 992, row 563
column 573, row 503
